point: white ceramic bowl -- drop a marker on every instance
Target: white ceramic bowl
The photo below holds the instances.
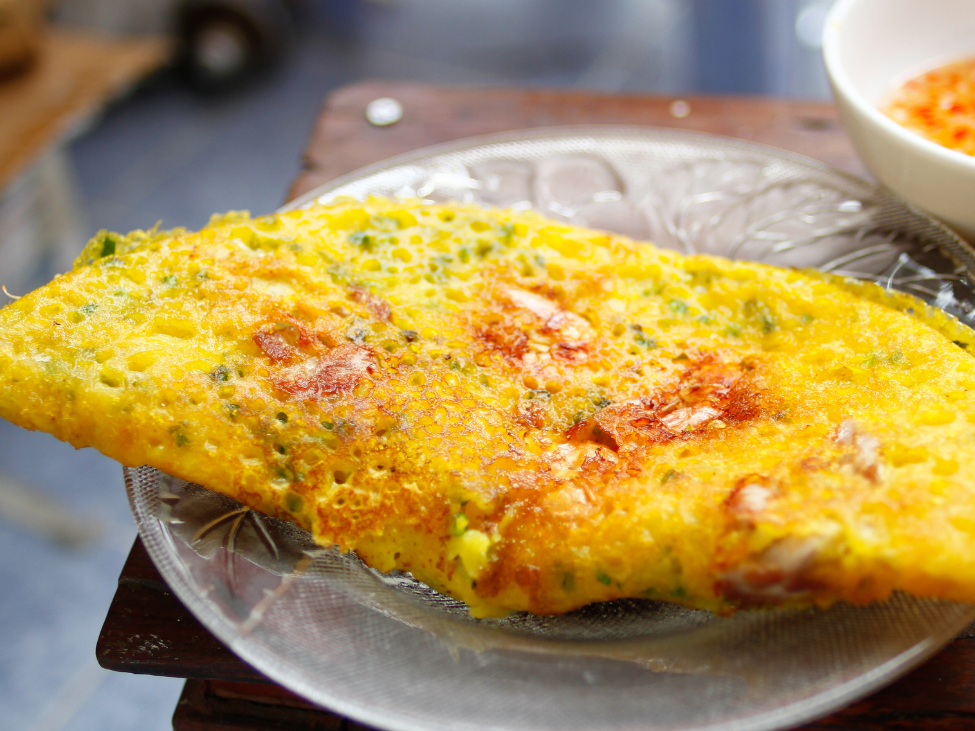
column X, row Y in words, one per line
column 870, row 46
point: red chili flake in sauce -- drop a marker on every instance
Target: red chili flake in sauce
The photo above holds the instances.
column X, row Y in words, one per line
column 939, row 105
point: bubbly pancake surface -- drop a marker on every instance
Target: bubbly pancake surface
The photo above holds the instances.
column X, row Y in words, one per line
column 524, row 414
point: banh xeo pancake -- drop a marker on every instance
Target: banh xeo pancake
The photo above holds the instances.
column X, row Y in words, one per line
column 523, row 414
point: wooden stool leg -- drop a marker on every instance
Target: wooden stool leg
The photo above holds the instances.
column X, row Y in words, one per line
column 218, row 705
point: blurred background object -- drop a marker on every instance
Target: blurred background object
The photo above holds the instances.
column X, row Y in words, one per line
column 220, row 42
column 711, row 46
column 71, row 77
column 138, row 111
column 21, row 25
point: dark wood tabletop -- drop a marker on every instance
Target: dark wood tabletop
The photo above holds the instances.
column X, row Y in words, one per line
column 148, row 630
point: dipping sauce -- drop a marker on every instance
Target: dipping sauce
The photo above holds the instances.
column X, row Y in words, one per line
column 940, row 105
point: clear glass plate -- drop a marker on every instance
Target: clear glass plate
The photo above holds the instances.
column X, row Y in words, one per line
column 390, row 652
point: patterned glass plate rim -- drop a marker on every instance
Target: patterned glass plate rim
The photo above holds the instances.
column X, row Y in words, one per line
column 391, row 653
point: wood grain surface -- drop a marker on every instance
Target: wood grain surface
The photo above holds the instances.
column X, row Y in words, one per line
column 148, row 631
column 344, row 141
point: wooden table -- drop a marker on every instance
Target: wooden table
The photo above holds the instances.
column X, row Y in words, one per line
column 148, row 630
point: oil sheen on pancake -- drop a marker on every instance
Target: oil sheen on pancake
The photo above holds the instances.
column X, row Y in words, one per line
column 523, row 414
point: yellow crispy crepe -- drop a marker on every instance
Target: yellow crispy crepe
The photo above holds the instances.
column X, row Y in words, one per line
column 523, row 414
